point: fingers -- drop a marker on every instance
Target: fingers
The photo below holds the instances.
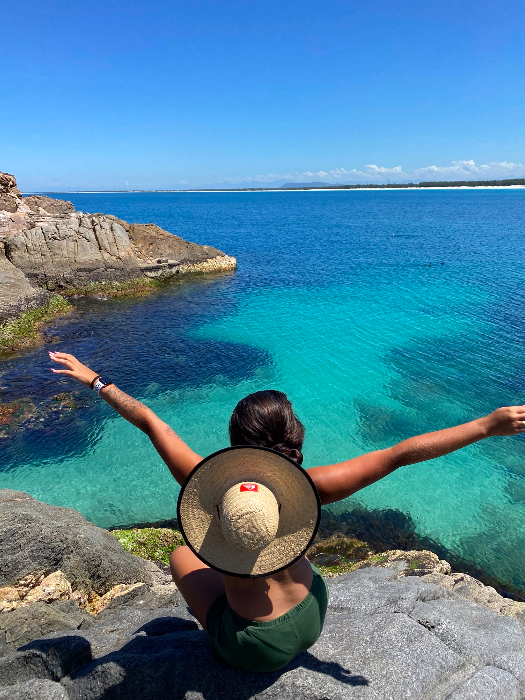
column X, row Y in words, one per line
column 62, row 371
column 62, row 358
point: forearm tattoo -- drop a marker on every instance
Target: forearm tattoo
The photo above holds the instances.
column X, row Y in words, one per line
column 169, row 431
column 126, row 405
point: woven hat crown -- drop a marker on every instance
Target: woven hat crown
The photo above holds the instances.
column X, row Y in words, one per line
column 249, row 516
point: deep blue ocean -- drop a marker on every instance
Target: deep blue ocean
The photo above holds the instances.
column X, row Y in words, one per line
column 382, row 314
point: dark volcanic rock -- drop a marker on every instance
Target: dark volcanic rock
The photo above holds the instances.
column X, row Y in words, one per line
column 34, row 690
column 50, row 659
column 33, row 621
column 37, row 538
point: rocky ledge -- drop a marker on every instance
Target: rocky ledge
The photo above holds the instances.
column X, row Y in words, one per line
column 46, row 246
column 80, row 618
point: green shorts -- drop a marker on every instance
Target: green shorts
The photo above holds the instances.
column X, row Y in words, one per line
column 267, row 646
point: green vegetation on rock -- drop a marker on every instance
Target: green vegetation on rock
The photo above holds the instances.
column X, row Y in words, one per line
column 339, row 553
column 24, row 330
column 153, row 543
column 333, row 556
column 120, row 288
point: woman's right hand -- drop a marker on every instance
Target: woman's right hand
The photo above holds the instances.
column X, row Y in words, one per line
column 74, row 368
column 509, row 420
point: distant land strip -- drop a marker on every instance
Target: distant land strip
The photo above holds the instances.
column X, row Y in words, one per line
column 520, row 182
column 405, row 185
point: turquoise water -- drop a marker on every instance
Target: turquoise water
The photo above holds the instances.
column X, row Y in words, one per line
column 370, row 335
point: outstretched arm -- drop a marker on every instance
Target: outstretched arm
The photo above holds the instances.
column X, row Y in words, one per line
column 337, row 481
column 179, row 458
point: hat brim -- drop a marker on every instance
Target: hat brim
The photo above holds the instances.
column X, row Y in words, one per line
column 199, row 522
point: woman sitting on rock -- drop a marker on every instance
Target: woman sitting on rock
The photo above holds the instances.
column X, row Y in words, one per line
column 249, row 513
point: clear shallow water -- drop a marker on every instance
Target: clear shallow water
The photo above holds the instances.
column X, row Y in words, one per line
column 371, row 344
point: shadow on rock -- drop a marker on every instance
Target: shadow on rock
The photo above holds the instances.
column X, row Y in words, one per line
column 168, row 658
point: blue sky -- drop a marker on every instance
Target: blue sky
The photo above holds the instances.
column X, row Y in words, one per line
column 116, row 95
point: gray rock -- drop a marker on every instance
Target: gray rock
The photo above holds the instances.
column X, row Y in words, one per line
column 385, row 655
column 38, row 619
column 16, row 293
column 45, row 658
column 70, row 250
column 374, row 590
column 397, row 657
column 35, row 537
column 142, row 597
column 112, row 632
column 385, row 636
column 514, row 663
column 374, row 652
column 34, row 690
column 479, row 634
column 488, row 683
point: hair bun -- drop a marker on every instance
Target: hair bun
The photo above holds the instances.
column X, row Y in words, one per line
column 290, row 452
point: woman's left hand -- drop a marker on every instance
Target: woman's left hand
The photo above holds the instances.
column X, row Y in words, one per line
column 74, row 368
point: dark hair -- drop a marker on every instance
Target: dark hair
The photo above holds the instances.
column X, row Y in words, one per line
column 266, row 419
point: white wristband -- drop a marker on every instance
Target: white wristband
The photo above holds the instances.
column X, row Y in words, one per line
column 98, row 386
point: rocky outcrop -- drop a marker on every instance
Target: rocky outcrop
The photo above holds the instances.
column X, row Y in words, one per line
column 16, row 292
column 384, row 637
column 37, row 539
column 47, row 245
column 9, row 193
column 391, row 631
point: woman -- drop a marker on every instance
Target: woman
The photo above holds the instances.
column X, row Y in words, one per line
column 263, row 603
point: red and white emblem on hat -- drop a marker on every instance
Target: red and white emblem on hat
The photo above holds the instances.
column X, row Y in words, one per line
column 249, row 487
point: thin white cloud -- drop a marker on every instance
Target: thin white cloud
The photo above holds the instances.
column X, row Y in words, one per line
column 458, row 170
column 468, row 170
column 376, row 170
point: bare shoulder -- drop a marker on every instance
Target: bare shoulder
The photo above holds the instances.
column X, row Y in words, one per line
column 337, row 481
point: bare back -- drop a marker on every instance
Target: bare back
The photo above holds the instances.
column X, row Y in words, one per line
column 269, row 597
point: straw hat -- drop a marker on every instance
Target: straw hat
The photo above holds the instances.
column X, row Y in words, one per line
column 248, row 511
